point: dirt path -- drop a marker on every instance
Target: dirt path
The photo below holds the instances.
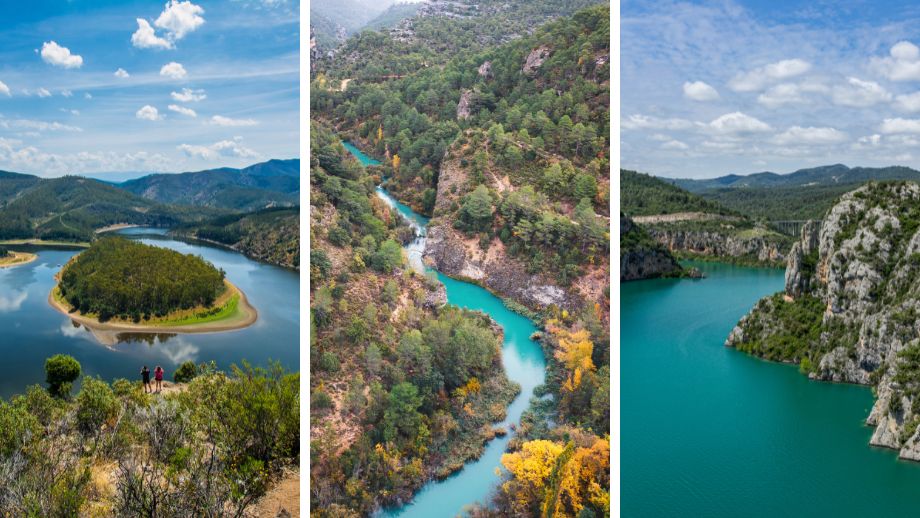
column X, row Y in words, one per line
column 283, row 497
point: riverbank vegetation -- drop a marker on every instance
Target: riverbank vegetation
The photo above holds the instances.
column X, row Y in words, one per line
column 403, row 389
column 211, row 448
column 119, row 278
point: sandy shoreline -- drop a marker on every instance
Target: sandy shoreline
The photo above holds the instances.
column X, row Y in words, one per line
column 112, row 228
column 105, row 330
column 19, row 259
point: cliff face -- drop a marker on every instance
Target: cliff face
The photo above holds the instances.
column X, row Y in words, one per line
column 641, row 258
column 849, row 309
column 717, row 244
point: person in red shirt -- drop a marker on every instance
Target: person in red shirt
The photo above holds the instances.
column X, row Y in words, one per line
column 158, row 377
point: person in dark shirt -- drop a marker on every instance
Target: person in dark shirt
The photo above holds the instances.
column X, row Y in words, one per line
column 145, row 376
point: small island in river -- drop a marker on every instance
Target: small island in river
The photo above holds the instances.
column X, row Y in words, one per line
column 9, row 258
column 121, row 285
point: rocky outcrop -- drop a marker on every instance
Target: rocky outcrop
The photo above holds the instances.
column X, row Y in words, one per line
column 463, row 107
column 856, row 275
column 485, row 70
column 535, row 60
column 718, row 244
column 640, row 257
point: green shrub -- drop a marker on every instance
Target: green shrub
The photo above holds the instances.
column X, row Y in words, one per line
column 96, row 404
column 186, row 372
column 61, row 370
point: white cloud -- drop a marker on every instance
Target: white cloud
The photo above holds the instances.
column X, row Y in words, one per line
column 859, row 94
column 72, row 112
column 220, row 120
column 903, row 63
column 183, row 110
column 31, row 159
column 908, row 102
column 870, row 140
column 810, row 135
column 59, row 56
column 145, row 37
column 700, row 91
column 188, row 95
column 180, row 18
column 784, row 93
column 34, row 125
column 760, row 77
column 650, row 122
column 674, row 144
column 173, row 70
column 737, row 123
column 222, row 148
column 122, row 73
column 87, row 95
column 149, row 113
column 5, row 89
column 43, row 92
column 899, row 125
column 66, row 93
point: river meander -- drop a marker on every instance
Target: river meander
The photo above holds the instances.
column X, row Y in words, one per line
column 522, row 359
column 31, row 330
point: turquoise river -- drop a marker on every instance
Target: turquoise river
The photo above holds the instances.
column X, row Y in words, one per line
column 710, row 431
column 523, row 362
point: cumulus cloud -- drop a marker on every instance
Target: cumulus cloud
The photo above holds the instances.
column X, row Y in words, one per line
column 5, row 90
column 785, row 93
column 177, row 20
column 899, row 125
column 59, row 56
column 173, row 70
column 32, row 159
column 149, row 113
column 122, row 73
column 639, row 121
column 902, row 64
column 188, row 95
column 810, row 135
column 760, row 77
column 220, row 120
column 180, row 18
column 43, row 92
column 66, row 93
column 737, row 123
column 908, row 102
column 231, row 148
column 183, row 110
column 700, row 91
column 145, row 37
column 859, row 94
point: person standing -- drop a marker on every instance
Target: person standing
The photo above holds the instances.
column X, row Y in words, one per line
column 158, row 377
column 145, row 376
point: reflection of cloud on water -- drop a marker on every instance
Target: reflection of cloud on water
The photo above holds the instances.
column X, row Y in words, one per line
column 13, row 302
column 71, row 329
column 178, row 350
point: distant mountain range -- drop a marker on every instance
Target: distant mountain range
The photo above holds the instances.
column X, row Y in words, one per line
column 70, row 208
column 268, row 184
column 837, row 174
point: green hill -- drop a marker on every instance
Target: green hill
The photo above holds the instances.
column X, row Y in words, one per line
column 271, row 235
column 646, row 195
column 276, row 182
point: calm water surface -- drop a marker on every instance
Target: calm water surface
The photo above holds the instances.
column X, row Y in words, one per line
column 709, row 431
column 523, row 362
column 31, row 331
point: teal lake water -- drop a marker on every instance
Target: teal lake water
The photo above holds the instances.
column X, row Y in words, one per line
column 32, row 330
column 523, row 362
column 709, row 431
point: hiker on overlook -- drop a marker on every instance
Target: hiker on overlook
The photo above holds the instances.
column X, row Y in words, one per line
column 145, row 376
column 158, row 377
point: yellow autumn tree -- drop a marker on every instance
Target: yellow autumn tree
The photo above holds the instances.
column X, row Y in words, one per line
column 379, row 133
column 396, row 162
column 585, row 481
column 530, row 467
column 575, row 350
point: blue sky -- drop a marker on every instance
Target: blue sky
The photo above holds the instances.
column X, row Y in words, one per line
column 712, row 88
column 101, row 86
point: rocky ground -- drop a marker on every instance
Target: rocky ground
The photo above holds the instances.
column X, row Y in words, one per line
column 641, row 257
column 849, row 309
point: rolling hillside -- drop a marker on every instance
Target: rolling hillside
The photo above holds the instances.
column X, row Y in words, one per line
column 268, row 184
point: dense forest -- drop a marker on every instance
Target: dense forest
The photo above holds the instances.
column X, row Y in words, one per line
column 402, row 389
column 119, row 278
column 645, row 195
column 212, row 447
column 271, row 235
